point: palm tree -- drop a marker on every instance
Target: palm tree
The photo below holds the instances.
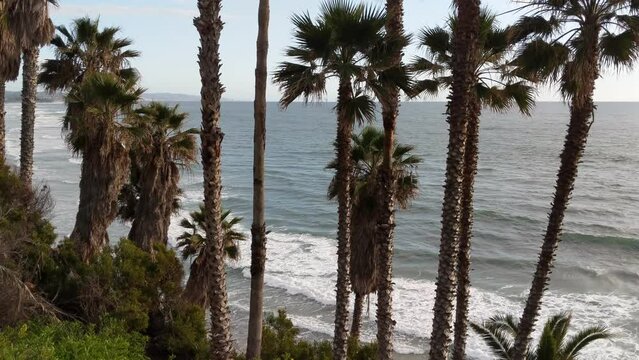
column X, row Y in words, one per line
column 385, row 221
column 340, row 43
column 29, row 22
column 102, row 99
column 81, row 53
column 367, row 157
column 85, row 49
column 496, row 87
column 9, row 68
column 209, row 25
column 160, row 148
column 258, row 228
column 193, row 244
column 568, row 43
column 500, row 331
column 465, row 46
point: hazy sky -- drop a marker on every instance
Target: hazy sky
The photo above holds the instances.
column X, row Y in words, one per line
column 163, row 31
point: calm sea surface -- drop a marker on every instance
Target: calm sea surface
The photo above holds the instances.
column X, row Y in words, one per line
column 597, row 272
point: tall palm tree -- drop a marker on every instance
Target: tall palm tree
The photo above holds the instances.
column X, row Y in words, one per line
column 568, row 43
column 258, row 228
column 385, row 221
column 29, row 22
column 497, row 87
column 209, row 25
column 160, row 148
column 9, row 68
column 193, row 246
column 499, row 332
column 81, row 52
column 465, row 45
column 338, row 44
column 103, row 101
column 367, row 157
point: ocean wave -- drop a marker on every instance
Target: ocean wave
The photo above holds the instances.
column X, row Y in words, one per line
column 305, row 265
column 618, row 241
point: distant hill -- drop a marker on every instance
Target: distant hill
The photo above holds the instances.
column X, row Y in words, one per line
column 174, row 97
column 170, row 97
column 16, row 96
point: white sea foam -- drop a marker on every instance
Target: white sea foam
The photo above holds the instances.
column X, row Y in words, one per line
column 302, row 264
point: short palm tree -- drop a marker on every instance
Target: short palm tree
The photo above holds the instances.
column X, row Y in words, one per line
column 30, row 25
column 569, row 43
column 463, row 80
column 80, row 53
column 103, row 101
column 367, row 157
column 496, row 87
column 341, row 43
column 193, row 246
column 500, row 331
column 159, row 149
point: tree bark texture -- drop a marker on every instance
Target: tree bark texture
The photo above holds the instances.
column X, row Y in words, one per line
column 29, row 95
column 258, row 228
column 344, row 132
column 209, row 25
column 465, row 42
column 471, row 155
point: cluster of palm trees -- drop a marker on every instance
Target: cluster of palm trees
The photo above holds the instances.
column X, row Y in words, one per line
column 132, row 154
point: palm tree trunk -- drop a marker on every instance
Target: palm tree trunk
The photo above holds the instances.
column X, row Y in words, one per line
column 159, row 186
column 196, row 288
column 581, row 112
column 465, row 43
column 344, row 132
column 356, row 324
column 2, row 123
column 386, row 219
column 258, row 228
column 209, row 25
column 103, row 174
column 466, row 232
column 29, row 93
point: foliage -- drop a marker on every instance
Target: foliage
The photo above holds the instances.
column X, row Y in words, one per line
column 561, row 38
column 71, row 340
column 141, row 290
column 367, row 157
column 280, row 341
column 347, row 41
column 26, row 238
column 158, row 140
column 193, row 240
column 497, row 85
column 500, row 331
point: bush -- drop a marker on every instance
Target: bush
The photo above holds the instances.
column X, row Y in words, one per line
column 280, row 342
column 71, row 341
column 26, row 238
column 142, row 290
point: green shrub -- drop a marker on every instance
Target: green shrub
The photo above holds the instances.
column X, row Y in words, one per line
column 280, row 341
column 140, row 289
column 71, row 341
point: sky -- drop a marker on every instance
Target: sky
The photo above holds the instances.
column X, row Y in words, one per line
column 164, row 33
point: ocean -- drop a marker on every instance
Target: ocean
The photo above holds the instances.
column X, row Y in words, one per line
column 597, row 270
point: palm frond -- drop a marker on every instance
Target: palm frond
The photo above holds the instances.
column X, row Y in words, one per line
column 496, row 339
column 582, row 339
